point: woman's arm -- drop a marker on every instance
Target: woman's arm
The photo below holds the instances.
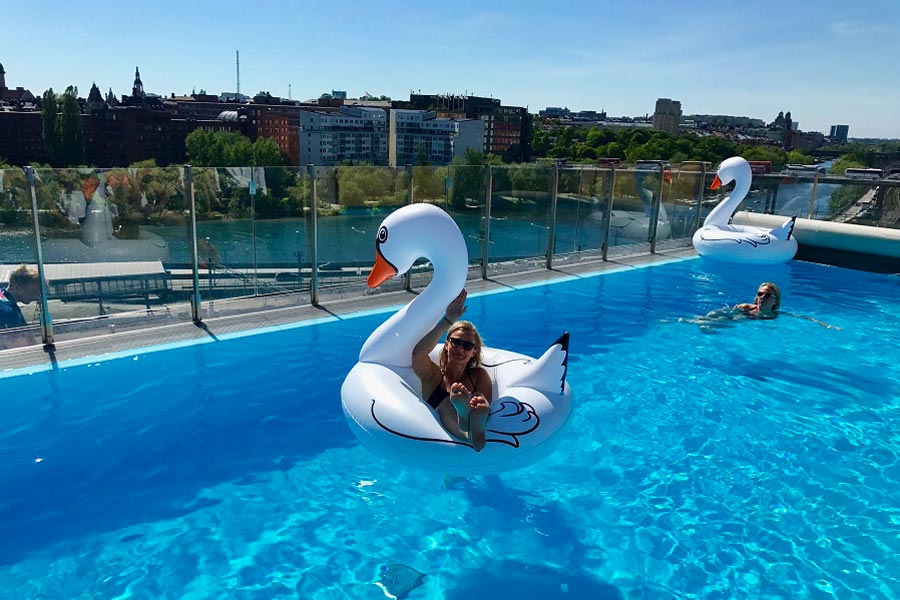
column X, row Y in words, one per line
column 421, row 362
column 822, row 323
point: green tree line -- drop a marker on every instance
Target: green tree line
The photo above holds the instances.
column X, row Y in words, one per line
column 586, row 145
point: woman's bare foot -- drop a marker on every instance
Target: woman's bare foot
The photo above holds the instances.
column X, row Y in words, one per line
column 479, row 410
column 460, row 399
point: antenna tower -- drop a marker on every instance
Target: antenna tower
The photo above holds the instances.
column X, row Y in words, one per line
column 237, row 64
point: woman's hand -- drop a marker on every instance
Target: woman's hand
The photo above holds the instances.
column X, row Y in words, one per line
column 457, row 307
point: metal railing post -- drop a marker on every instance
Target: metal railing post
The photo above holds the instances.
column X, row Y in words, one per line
column 551, row 233
column 607, row 212
column 486, row 227
column 195, row 254
column 46, row 321
column 407, row 277
column 812, row 201
column 695, row 222
column 314, row 239
column 654, row 209
column 253, row 229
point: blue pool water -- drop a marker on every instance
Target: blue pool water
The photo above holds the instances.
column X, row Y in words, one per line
column 758, row 460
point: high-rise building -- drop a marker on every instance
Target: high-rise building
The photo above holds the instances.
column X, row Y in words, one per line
column 839, row 133
column 667, row 115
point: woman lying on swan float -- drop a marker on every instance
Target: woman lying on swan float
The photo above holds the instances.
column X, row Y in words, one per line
column 745, row 244
column 506, row 413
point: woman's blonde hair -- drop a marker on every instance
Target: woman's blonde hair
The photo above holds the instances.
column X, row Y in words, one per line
column 469, row 328
column 775, row 292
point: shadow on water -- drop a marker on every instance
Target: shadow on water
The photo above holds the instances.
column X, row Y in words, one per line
column 511, row 579
column 137, row 440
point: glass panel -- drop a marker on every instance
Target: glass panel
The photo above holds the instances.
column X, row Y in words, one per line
column 520, row 205
column 629, row 227
column 106, row 269
column 683, row 194
column 255, row 254
column 579, row 213
column 465, row 201
column 224, row 232
column 353, row 200
column 16, row 248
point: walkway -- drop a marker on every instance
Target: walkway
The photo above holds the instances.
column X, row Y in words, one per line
column 123, row 339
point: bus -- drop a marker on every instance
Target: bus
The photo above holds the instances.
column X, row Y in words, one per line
column 655, row 165
column 760, row 167
column 650, row 165
column 868, row 174
column 805, row 170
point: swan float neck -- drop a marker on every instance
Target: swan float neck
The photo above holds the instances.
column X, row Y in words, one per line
column 733, row 169
column 429, row 232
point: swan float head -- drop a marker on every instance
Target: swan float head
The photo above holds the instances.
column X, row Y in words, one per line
column 721, row 240
column 416, row 231
column 413, row 232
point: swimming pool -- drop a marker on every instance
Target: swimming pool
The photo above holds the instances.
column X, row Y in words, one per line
column 757, row 460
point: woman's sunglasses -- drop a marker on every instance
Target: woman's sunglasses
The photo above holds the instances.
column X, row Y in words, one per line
column 764, row 295
column 456, row 343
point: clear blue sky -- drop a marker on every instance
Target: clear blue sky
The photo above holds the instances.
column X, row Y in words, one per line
column 828, row 62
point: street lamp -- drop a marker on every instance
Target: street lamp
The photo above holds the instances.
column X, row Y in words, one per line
column 209, row 267
column 542, row 228
column 299, row 257
column 358, row 266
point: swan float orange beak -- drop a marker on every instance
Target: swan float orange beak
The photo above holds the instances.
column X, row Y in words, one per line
column 382, row 270
column 716, row 184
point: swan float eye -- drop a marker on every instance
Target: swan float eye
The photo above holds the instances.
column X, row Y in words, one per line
column 382, row 234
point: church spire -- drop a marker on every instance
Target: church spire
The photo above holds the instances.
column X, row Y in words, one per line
column 138, row 90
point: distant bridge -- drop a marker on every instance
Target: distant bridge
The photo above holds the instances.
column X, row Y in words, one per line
column 880, row 160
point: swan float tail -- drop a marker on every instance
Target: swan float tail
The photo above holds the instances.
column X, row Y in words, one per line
column 547, row 373
column 786, row 230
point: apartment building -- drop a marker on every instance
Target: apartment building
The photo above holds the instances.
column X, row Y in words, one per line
column 418, row 134
column 350, row 134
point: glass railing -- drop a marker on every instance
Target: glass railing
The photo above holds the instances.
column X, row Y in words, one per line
column 118, row 245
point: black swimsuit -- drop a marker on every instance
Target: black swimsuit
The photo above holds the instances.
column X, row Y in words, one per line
column 439, row 393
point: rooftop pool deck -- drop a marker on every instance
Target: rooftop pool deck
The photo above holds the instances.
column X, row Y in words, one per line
column 214, row 327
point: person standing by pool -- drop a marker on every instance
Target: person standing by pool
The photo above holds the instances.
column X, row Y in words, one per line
column 25, row 287
column 458, row 388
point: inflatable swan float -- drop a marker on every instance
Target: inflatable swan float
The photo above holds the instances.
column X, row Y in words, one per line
column 741, row 243
column 382, row 397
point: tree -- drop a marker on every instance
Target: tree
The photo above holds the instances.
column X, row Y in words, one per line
column 71, row 134
column 231, row 149
column 49, row 125
column 467, row 176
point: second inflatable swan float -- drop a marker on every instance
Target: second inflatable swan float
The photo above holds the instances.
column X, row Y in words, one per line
column 382, row 397
column 723, row 241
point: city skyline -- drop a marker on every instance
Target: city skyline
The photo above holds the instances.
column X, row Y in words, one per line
column 826, row 62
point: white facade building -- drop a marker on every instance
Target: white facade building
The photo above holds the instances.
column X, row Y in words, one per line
column 357, row 134
column 420, row 133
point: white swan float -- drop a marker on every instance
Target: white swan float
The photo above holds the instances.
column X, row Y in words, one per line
column 382, row 396
column 745, row 244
